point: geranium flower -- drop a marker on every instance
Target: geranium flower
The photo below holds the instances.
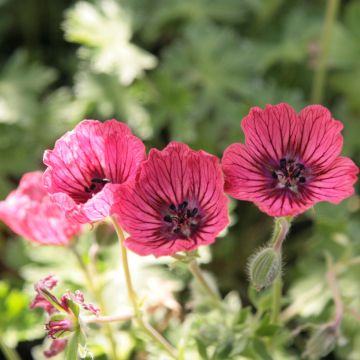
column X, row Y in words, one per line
column 176, row 204
column 29, row 212
column 289, row 161
column 89, row 164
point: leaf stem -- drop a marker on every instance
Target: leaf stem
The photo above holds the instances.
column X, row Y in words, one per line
column 144, row 325
column 91, row 319
column 8, row 352
column 199, row 276
column 320, row 71
column 97, row 293
column 281, row 229
column 332, row 281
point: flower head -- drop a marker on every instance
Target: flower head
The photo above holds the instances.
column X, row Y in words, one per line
column 176, row 204
column 89, row 164
column 31, row 213
column 289, row 161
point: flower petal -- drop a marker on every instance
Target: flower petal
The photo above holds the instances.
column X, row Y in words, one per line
column 31, row 213
column 320, row 139
column 272, row 133
column 336, row 183
column 244, row 177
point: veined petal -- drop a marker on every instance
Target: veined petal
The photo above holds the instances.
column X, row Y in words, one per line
column 244, row 177
column 336, row 183
column 320, row 137
column 271, row 134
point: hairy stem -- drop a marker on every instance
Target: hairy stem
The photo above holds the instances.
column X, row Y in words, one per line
column 107, row 319
column 339, row 306
column 281, row 229
column 143, row 324
column 8, row 352
column 199, row 276
column 97, row 293
column 320, row 71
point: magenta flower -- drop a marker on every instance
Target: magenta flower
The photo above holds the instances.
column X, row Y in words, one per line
column 30, row 212
column 176, row 204
column 289, row 161
column 89, row 164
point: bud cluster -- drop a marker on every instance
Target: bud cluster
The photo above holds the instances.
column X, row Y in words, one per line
column 63, row 313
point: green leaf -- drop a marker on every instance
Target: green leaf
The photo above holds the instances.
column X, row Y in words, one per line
column 202, row 349
column 260, row 349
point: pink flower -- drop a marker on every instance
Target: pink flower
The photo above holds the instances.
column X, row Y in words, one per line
column 289, row 161
column 176, row 204
column 29, row 212
column 89, row 164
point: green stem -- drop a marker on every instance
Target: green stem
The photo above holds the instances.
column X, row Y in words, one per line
column 281, row 229
column 199, row 276
column 97, row 293
column 332, row 281
column 8, row 352
column 143, row 324
column 320, row 71
column 92, row 319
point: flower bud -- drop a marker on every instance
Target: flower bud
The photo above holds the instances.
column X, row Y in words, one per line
column 321, row 343
column 264, row 266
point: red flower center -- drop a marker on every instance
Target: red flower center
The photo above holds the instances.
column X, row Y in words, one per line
column 289, row 174
column 182, row 221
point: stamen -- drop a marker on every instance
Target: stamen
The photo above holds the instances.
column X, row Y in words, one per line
column 183, row 205
column 181, row 220
column 282, row 163
column 194, row 212
column 100, row 181
column 289, row 174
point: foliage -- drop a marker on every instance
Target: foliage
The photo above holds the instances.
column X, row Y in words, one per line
column 185, row 70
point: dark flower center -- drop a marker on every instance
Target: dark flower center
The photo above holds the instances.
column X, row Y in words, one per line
column 182, row 220
column 289, row 174
column 96, row 185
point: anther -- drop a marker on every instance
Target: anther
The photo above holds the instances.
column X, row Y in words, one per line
column 183, row 205
column 168, row 218
column 172, row 207
column 282, row 163
column 194, row 212
column 302, row 179
column 100, row 181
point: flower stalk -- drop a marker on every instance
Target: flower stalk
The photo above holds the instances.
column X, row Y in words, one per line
column 320, row 71
column 8, row 352
column 142, row 323
column 98, row 297
column 281, row 229
column 199, row 276
column 127, row 315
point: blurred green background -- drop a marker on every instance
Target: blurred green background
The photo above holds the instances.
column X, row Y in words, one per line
column 185, row 70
